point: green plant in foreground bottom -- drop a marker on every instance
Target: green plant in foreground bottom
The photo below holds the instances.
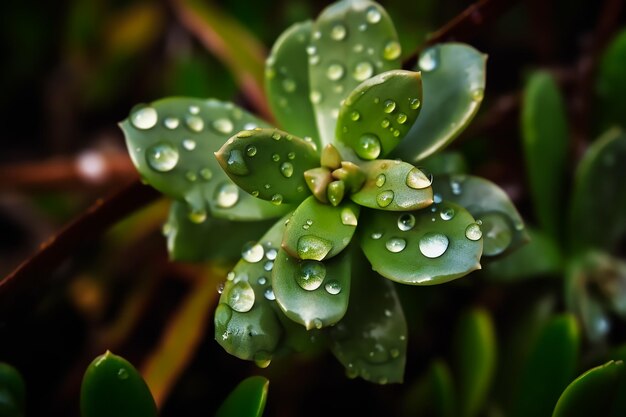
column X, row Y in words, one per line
column 352, row 125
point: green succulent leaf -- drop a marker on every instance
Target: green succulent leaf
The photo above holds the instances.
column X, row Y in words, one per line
column 476, row 351
column 112, row 387
column 502, row 226
column 247, row 399
column 445, row 163
column 552, row 360
column 453, row 78
column 312, row 293
column 172, row 141
column 433, row 394
column 287, row 82
column 610, row 83
column 352, row 40
column 423, row 247
column 12, row 391
column 320, row 231
column 269, row 164
column 598, row 206
column 394, row 186
column 193, row 242
column 544, row 129
column 371, row 340
column 379, row 112
column 601, row 391
column 246, row 320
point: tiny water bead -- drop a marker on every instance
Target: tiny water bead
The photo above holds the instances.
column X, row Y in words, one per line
column 227, row 195
column 376, row 235
column 433, row 245
column 392, row 50
column 385, row 123
column 373, row 15
column 406, row 222
column 145, row 118
column 223, row 125
column 363, row 71
column 262, row 281
column 389, row 106
column 395, row 245
column 286, row 168
column 236, row 164
column 171, row 123
column 311, row 275
column 414, row 103
column 447, row 213
column 194, row 109
column 368, row 146
column 429, row 60
column 277, row 199
column 251, row 150
column 338, row 32
column 275, row 157
column 380, row 180
column 162, row 157
column 206, row 174
column 122, row 374
column 195, row 123
column 289, row 85
column 315, row 97
column 334, row 72
column 384, row 198
column 291, row 155
column 473, row 232
column 355, row 115
column 189, row 144
column 241, row 297
column 313, row 247
column 252, row 252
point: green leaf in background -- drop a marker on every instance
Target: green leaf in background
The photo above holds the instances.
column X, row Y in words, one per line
column 453, row 79
column 601, row 391
column 598, row 205
column 12, row 392
column 371, row 339
column 476, row 351
column 372, row 126
column 610, row 83
column 549, row 368
column 445, row 163
column 433, row 394
column 352, row 40
column 172, row 141
column 424, row 247
column 545, row 140
column 502, row 226
column 269, row 164
column 112, row 387
column 287, row 82
column 246, row 400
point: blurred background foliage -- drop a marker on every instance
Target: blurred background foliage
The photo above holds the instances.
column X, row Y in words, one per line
column 483, row 345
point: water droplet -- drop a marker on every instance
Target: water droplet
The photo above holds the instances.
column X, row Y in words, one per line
column 251, row 150
column 206, row 174
column 249, row 126
column 197, row 216
column 145, row 118
column 162, row 157
column 194, row 109
column 269, row 294
column 473, row 232
column 220, row 287
column 311, row 50
column 433, row 245
column 376, row 235
column 389, row 106
column 417, row 180
column 317, row 34
column 275, row 157
column 262, row 281
column 277, row 199
column 189, row 144
column 252, row 252
column 191, row 176
column 271, row 254
column 291, row 155
column 415, row 103
column 363, row 27
column 171, row 122
column 227, row 195
column 497, row 233
column 437, row 198
column 313, row 247
column 241, row 297
column 355, row 115
column 455, row 186
column 380, row 180
column 195, row 123
column 268, row 266
column 358, row 48
column 478, row 94
column 236, row 164
column 223, row 125
column 122, row 374
column 369, row 146
column 318, row 323
column 401, row 118
column 379, row 354
column 289, row 85
column 392, row 50
column 384, row 123
column 286, row 168
column 395, row 245
column 429, row 59
column 348, row 217
column 311, row 276
column 338, row 32
column 363, row 71
column 373, row 15
column 447, row 213
column 314, row 60
column 384, row 198
column 394, row 353
column 406, row 222
column 335, row 72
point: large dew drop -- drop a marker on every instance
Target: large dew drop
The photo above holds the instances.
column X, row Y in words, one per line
column 473, row 232
column 311, row 275
column 429, row 60
column 389, row 106
column 223, row 125
column 348, row 217
column 406, row 222
column 368, row 146
column 433, row 245
column 227, row 195
column 286, row 169
column 145, row 118
column 384, row 198
column 417, row 180
column 395, row 245
column 252, row 252
column 313, row 247
column 236, row 164
column 162, row 157
column 373, row 15
column 241, row 297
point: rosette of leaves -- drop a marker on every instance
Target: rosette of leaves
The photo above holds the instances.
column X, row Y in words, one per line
column 341, row 173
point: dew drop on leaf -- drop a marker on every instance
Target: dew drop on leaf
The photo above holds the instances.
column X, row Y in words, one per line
column 223, row 125
column 384, row 198
column 145, row 118
column 473, row 232
column 313, row 247
column 373, row 15
column 286, row 168
column 189, row 144
column 252, row 252
column 368, row 146
column 338, row 32
column 236, row 164
column 429, row 60
column 395, row 245
column 332, row 287
column 363, row 71
column 241, row 297
column 334, row 72
column 389, row 106
column 311, row 275
column 251, row 150
column 392, row 50
column 195, row 123
column 380, row 180
column 162, row 157
column 171, row 123
column 227, row 195
column 406, row 222
column 447, row 213
column 433, row 245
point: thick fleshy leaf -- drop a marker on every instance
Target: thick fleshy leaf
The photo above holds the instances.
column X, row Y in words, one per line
column 502, row 226
column 545, row 140
column 269, row 164
column 371, row 340
column 12, row 391
column 372, row 126
column 112, row 387
column 476, row 351
column 598, row 206
column 445, row 163
column 549, row 368
column 453, row 78
column 423, row 247
column 287, row 82
column 611, row 85
column 394, row 186
column 320, row 231
column 312, row 293
column 172, row 141
column 433, row 394
column 601, row 391
column 213, row 239
column 352, row 40
column 247, row 399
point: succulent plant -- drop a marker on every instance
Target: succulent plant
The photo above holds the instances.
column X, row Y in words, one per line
column 341, row 179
